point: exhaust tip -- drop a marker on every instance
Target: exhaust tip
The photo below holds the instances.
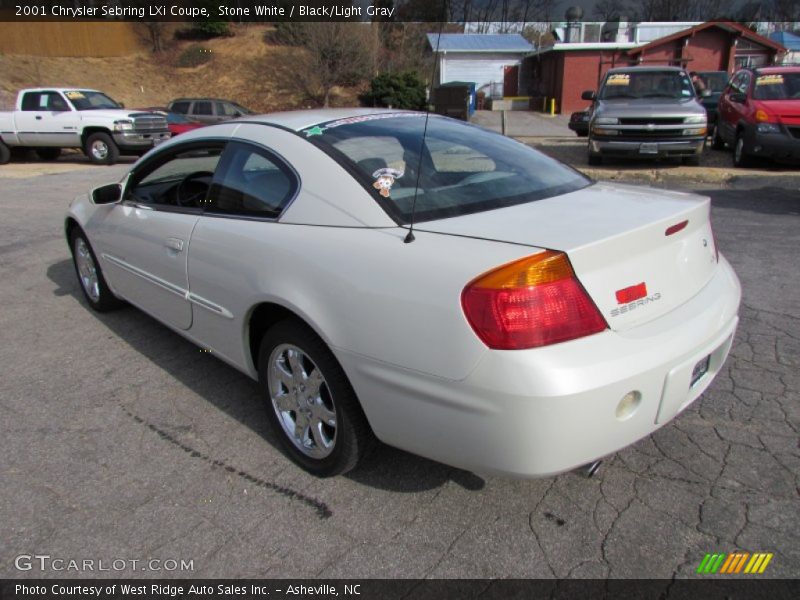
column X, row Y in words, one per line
column 589, row 470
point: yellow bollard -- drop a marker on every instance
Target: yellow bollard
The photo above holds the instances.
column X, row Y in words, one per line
column 544, row 104
column 552, row 107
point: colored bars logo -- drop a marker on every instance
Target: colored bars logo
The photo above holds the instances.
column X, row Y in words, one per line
column 735, row 563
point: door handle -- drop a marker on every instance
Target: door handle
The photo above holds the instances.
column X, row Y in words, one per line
column 38, row 117
column 174, row 244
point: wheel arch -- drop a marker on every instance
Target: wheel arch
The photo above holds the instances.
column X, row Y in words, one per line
column 70, row 224
column 91, row 130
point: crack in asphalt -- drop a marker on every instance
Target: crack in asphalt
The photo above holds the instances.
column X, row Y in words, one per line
column 319, row 506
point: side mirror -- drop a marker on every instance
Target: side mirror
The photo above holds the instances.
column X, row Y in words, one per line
column 738, row 97
column 107, row 194
column 588, row 95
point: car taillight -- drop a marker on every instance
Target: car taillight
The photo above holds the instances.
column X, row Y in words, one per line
column 531, row 302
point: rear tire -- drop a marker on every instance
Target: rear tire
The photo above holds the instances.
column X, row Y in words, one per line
column 90, row 277
column 48, row 154
column 5, row 154
column 741, row 157
column 311, row 405
column 101, row 149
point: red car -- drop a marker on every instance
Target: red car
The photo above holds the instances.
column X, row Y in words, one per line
column 177, row 123
column 759, row 115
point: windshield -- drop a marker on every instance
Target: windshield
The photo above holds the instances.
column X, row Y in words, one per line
column 83, row 100
column 462, row 169
column 175, row 118
column 777, row 86
column 647, row 84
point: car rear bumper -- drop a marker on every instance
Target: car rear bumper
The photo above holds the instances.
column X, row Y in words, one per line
column 539, row 412
column 655, row 148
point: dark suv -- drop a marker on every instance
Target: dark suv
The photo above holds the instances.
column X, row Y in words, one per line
column 208, row 110
column 759, row 115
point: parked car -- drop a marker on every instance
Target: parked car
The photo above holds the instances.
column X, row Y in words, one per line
column 49, row 119
column 759, row 115
column 177, row 123
column 532, row 322
column 714, row 83
column 208, row 110
column 579, row 122
column 646, row 112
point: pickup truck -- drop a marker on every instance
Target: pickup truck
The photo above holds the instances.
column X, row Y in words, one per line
column 646, row 112
column 49, row 119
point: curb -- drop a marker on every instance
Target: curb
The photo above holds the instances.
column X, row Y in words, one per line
column 702, row 175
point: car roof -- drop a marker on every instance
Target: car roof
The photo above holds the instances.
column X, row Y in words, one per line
column 777, row 69
column 300, row 119
column 60, row 89
column 648, row 68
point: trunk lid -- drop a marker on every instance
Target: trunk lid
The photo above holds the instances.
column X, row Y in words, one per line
column 615, row 237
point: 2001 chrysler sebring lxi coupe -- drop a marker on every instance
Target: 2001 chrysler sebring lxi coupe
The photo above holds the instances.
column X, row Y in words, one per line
column 536, row 322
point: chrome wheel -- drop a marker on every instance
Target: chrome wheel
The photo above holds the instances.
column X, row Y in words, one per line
column 302, row 401
column 87, row 271
column 99, row 150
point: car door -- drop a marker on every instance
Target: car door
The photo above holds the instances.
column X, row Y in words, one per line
column 47, row 119
column 144, row 240
column 203, row 110
column 733, row 111
column 230, row 254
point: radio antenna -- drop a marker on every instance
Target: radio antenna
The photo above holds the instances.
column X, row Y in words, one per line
column 410, row 235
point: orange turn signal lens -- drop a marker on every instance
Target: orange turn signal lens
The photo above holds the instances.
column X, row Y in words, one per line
column 762, row 116
column 540, row 268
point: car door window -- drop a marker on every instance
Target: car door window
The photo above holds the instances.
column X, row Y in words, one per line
column 180, row 107
column 251, row 182
column 202, row 108
column 180, row 179
column 39, row 101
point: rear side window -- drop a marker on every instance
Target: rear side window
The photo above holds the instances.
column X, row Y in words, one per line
column 34, row 101
column 251, row 182
column 202, row 108
column 180, row 107
column 458, row 169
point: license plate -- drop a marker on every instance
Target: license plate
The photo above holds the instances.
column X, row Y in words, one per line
column 650, row 148
column 700, row 369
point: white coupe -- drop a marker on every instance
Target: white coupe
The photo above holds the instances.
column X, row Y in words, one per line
column 420, row 281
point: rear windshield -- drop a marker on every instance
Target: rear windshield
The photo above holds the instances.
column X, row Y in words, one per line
column 777, row 86
column 647, row 84
column 459, row 169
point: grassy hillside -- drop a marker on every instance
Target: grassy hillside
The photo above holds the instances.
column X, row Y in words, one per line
column 242, row 68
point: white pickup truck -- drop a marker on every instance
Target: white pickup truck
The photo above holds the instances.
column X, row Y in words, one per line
column 49, row 119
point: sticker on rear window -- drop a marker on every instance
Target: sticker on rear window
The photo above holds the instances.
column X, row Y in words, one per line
column 384, row 180
column 769, row 80
column 619, row 79
column 74, row 95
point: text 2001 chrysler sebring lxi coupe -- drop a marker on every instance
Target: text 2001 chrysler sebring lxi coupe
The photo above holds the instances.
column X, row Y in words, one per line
column 537, row 322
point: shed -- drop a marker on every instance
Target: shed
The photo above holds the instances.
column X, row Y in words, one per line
column 491, row 61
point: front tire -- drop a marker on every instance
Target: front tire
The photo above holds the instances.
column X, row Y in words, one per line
column 93, row 284
column 5, row 154
column 101, row 149
column 48, row 154
column 741, row 156
column 311, row 405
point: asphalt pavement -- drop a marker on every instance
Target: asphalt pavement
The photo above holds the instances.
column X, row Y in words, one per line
column 122, row 441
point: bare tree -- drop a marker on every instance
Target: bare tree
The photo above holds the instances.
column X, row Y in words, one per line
column 785, row 10
column 609, row 10
column 332, row 54
column 153, row 32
